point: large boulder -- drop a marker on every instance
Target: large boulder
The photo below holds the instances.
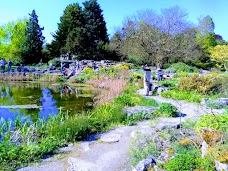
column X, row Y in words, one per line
column 146, row 164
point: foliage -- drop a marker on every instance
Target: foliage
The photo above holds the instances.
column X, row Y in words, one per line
column 139, row 38
column 220, row 53
column 168, row 83
column 138, row 153
column 182, row 67
column 189, row 159
column 12, row 37
column 50, row 78
column 32, row 48
column 216, row 122
column 66, row 39
column 201, row 84
column 81, row 32
column 88, row 70
column 190, row 96
column 167, row 110
column 95, row 36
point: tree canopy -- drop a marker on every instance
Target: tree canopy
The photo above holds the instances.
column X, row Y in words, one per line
column 81, row 32
column 12, row 37
column 220, row 53
column 32, row 48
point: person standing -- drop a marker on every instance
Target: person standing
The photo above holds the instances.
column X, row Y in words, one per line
column 160, row 74
column 147, row 79
column 3, row 65
column 9, row 65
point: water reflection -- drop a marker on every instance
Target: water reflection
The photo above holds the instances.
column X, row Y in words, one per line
column 47, row 99
column 48, row 104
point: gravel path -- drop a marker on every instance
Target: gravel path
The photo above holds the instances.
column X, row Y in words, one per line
column 109, row 151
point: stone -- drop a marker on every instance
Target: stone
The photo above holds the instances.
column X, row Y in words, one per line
column 68, row 148
column 204, row 149
column 80, row 165
column 102, row 86
column 222, row 101
column 221, row 166
column 85, row 146
column 204, row 101
column 145, row 164
column 110, row 137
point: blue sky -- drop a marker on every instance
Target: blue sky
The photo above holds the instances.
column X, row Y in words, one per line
column 50, row 11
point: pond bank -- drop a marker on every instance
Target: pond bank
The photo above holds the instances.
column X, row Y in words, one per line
column 98, row 155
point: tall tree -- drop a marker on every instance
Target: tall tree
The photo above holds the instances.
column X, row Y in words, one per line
column 206, row 37
column 32, row 52
column 69, row 30
column 153, row 37
column 12, row 37
column 206, row 25
column 96, row 35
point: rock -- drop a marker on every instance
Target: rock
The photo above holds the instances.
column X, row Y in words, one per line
column 222, row 102
column 80, row 165
column 110, row 137
column 85, row 146
column 68, row 148
column 204, row 101
column 139, row 109
column 221, row 166
column 102, row 86
column 204, row 148
column 145, row 164
column 162, row 89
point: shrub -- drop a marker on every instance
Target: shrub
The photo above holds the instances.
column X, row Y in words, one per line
column 168, row 83
column 189, row 96
column 167, row 110
column 189, row 159
column 216, row 122
column 202, row 84
column 88, row 70
column 182, row 67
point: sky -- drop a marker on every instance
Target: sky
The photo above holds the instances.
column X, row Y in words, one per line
column 114, row 12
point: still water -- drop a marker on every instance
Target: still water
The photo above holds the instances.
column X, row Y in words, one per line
column 35, row 101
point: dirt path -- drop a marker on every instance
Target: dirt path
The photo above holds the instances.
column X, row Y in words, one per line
column 109, row 151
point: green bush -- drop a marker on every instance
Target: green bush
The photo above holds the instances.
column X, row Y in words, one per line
column 189, row 96
column 88, row 70
column 206, row 65
column 202, row 84
column 167, row 110
column 168, row 83
column 182, row 67
column 216, row 122
column 189, row 159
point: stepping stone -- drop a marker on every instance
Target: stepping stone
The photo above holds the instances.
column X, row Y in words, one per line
column 81, row 165
column 110, row 137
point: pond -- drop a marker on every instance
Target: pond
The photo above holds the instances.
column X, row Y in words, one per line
column 36, row 101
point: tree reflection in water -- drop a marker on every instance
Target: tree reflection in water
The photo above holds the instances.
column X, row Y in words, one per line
column 48, row 104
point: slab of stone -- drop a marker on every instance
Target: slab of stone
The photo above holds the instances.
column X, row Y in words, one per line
column 110, row 137
column 68, row 148
column 80, row 165
column 85, row 146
